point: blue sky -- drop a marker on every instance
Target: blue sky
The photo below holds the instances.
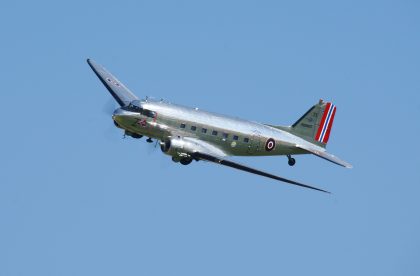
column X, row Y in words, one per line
column 76, row 199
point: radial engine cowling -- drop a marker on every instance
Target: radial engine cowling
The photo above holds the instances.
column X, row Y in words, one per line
column 178, row 147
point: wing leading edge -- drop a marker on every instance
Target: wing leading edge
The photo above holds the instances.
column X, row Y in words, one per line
column 118, row 90
column 228, row 163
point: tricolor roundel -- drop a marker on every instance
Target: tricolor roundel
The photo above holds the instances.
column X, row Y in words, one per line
column 270, row 144
column 323, row 133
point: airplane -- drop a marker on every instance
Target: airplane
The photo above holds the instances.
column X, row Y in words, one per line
column 188, row 134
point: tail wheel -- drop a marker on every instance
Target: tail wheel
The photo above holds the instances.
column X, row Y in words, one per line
column 291, row 160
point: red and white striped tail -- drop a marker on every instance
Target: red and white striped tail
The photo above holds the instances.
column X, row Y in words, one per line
column 324, row 129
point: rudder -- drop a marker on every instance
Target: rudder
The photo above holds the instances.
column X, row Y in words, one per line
column 315, row 125
column 324, row 128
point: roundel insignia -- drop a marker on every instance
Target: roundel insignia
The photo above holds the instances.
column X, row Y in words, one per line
column 113, row 82
column 270, row 144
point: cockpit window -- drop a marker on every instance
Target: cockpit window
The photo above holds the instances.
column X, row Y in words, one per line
column 134, row 106
column 148, row 113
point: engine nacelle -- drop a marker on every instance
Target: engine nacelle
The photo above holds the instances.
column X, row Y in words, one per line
column 178, row 148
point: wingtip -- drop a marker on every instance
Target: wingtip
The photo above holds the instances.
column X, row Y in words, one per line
column 321, row 190
column 92, row 64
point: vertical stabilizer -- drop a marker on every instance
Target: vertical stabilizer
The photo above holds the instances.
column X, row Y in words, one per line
column 315, row 125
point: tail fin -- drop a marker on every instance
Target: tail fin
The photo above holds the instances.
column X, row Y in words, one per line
column 315, row 125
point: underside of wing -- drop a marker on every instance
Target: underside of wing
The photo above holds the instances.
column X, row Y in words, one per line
column 118, row 90
column 228, row 163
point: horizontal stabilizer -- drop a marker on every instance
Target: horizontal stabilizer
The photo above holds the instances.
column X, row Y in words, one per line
column 325, row 155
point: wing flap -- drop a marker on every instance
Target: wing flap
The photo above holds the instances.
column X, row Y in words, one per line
column 118, row 90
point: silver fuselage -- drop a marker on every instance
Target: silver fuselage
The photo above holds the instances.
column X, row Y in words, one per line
column 232, row 135
column 188, row 134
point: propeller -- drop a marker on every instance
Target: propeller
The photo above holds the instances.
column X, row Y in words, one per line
column 152, row 147
column 111, row 134
column 109, row 107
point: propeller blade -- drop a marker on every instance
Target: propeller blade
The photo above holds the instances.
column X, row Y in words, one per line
column 109, row 107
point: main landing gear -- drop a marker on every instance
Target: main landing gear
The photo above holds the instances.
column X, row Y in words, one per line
column 149, row 140
column 184, row 161
column 291, row 160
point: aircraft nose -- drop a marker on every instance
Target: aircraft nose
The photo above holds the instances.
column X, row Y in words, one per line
column 117, row 112
column 117, row 116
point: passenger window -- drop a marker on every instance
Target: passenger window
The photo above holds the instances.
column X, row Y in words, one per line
column 246, row 140
column 225, row 135
column 193, row 128
column 214, row 133
column 235, row 137
column 204, row 130
column 182, row 126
